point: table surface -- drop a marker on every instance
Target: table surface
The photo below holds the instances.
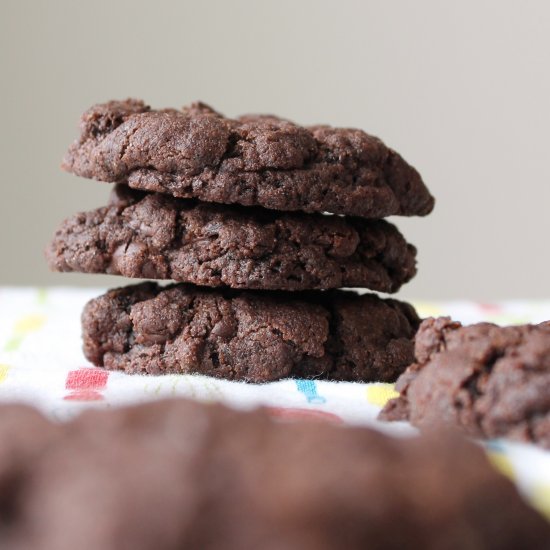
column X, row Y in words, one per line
column 41, row 363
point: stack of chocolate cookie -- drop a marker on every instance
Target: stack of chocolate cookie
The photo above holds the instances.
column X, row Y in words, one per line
column 258, row 220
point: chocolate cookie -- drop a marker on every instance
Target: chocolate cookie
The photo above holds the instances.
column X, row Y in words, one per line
column 179, row 474
column 154, row 236
column 490, row 381
column 254, row 161
column 250, row 336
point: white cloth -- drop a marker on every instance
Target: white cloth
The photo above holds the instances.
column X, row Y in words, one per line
column 41, row 363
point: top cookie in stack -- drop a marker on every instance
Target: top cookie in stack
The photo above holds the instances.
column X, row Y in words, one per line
column 253, row 161
column 272, row 181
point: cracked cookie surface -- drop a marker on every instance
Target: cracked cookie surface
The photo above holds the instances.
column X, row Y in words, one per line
column 252, row 336
column 253, row 161
column 153, row 236
column 488, row 380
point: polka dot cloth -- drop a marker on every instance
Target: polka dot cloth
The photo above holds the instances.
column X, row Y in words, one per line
column 41, row 363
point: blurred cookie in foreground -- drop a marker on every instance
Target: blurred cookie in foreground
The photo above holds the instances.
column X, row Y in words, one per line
column 179, row 474
column 259, row 160
column 487, row 380
column 247, row 335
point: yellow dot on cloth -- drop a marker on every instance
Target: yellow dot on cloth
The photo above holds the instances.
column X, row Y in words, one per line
column 540, row 499
column 13, row 343
column 41, row 296
column 502, row 463
column 29, row 323
column 426, row 309
column 3, row 372
column 380, row 394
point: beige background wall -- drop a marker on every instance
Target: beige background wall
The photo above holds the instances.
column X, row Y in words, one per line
column 461, row 89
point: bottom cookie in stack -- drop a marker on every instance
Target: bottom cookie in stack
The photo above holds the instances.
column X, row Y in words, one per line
column 249, row 335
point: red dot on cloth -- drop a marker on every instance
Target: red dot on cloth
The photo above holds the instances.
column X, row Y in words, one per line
column 303, row 414
column 490, row 308
column 85, row 379
column 84, row 395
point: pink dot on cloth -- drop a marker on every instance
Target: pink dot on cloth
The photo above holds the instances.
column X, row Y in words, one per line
column 85, row 379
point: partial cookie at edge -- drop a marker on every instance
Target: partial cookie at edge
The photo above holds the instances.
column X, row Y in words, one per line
column 487, row 380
